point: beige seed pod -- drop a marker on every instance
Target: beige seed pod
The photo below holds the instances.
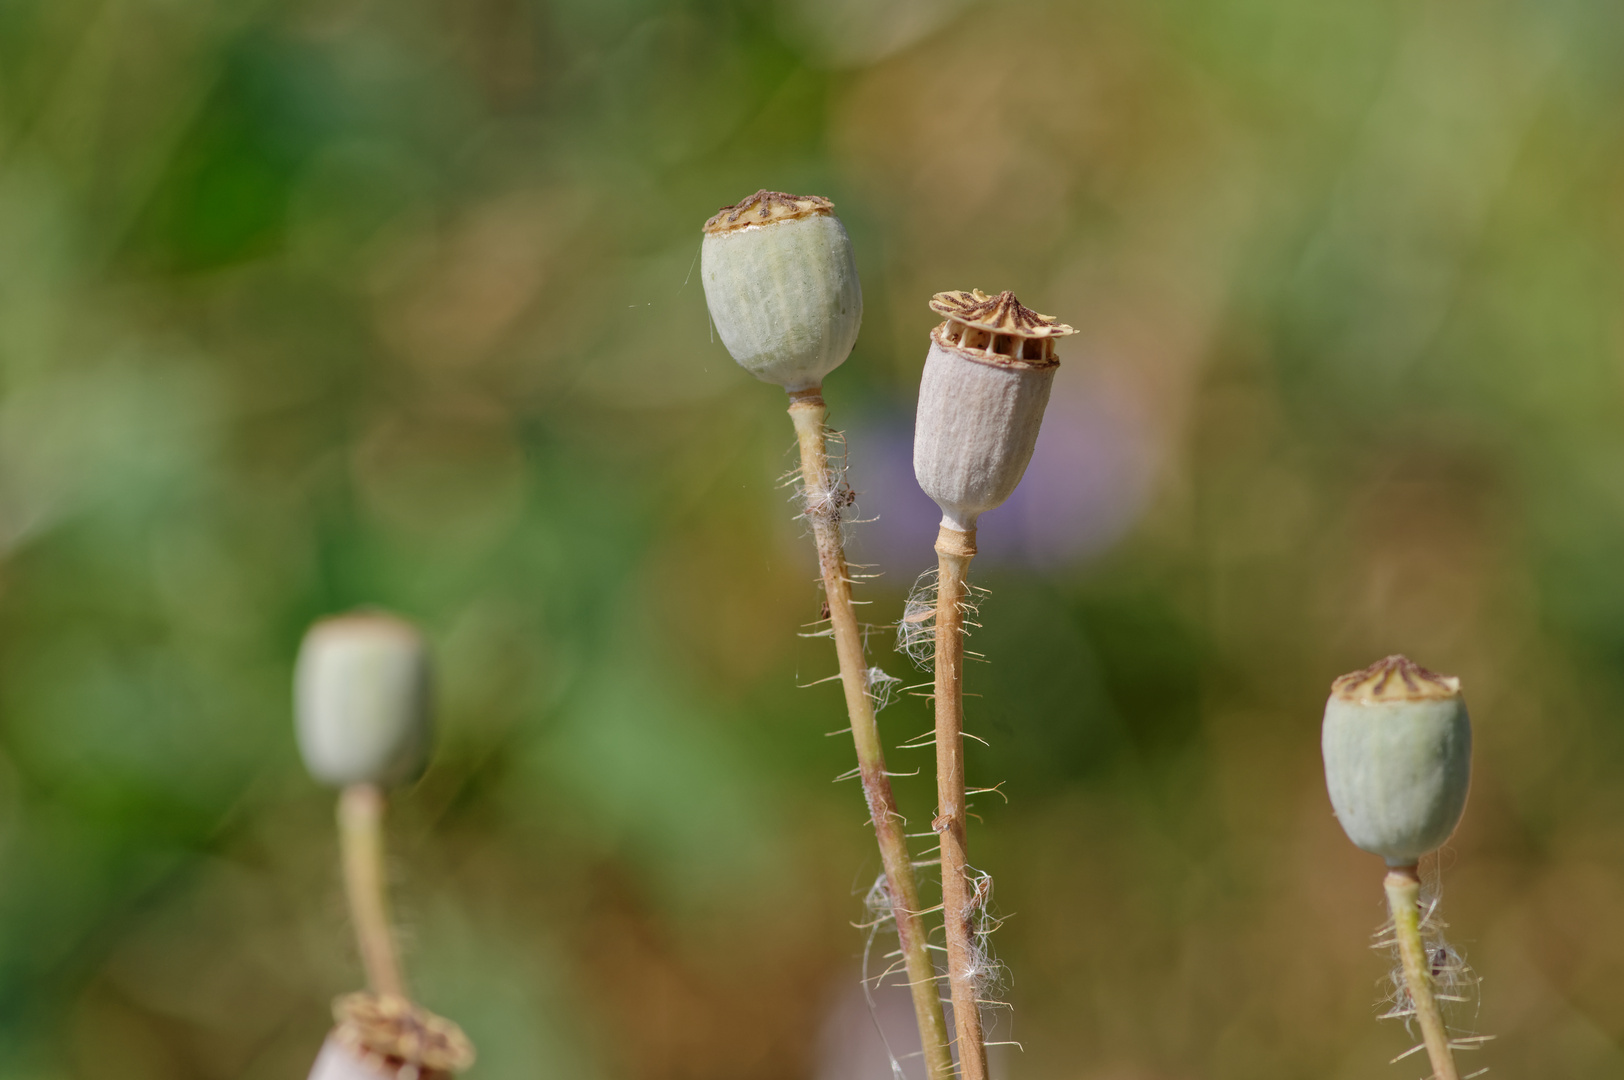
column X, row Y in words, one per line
column 981, row 399
column 781, row 282
column 1398, row 758
column 361, row 695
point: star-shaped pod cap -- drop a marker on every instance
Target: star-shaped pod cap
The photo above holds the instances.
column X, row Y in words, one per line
column 1394, row 679
column 386, row 1037
column 766, row 208
column 1397, row 743
column 999, row 327
column 781, row 281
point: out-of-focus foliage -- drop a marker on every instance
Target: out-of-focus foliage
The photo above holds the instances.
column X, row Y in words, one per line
column 307, row 305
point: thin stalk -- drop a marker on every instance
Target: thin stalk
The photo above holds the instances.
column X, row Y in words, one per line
column 808, row 412
column 1404, row 900
column 954, row 550
column 360, row 835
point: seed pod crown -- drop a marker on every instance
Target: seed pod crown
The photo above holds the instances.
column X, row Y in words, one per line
column 1397, row 744
column 780, row 278
column 766, row 207
column 1394, row 678
column 981, row 400
column 397, row 1030
column 999, row 327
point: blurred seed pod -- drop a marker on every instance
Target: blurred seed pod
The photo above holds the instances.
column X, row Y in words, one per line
column 781, row 282
column 385, row 1037
column 361, row 696
column 1398, row 758
column 981, row 400
column 339, row 1062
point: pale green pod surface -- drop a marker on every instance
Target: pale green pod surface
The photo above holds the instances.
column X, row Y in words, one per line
column 1397, row 744
column 781, row 282
column 981, row 399
column 361, row 697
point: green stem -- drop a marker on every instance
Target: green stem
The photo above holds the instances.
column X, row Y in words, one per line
column 360, row 833
column 1404, row 900
column 954, row 550
column 808, row 411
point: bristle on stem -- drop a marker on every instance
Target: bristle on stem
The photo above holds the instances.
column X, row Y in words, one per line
column 1403, row 887
column 961, row 895
column 808, row 411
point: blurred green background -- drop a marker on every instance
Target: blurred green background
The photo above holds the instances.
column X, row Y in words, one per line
column 305, row 305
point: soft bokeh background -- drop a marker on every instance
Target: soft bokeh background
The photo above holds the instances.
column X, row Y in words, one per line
column 305, row 305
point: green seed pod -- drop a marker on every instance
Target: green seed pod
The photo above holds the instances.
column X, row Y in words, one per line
column 1398, row 758
column 361, row 697
column 781, row 282
column 981, row 399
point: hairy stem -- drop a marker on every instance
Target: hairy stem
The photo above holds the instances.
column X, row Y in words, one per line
column 1403, row 899
column 808, row 411
column 360, row 836
column 954, row 549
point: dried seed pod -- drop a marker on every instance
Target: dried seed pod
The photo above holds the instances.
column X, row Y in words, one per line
column 361, row 695
column 981, row 401
column 1398, row 758
column 781, row 282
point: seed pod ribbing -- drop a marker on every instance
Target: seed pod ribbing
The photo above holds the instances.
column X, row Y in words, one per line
column 981, row 400
column 1398, row 756
column 781, row 282
column 361, row 690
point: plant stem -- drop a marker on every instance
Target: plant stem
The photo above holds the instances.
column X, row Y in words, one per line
column 1403, row 899
column 808, row 411
column 360, row 834
column 954, row 550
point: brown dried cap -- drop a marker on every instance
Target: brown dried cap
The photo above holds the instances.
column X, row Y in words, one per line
column 400, row 1034
column 1392, row 679
column 1001, row 314
column 767, row 208
column 997, row 329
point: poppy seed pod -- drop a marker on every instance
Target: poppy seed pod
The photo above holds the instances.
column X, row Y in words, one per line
column 781, row 282
column 981, row 401
column 361, row 695
column 1398, row 758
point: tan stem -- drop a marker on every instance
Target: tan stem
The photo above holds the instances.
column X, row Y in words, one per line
column 360, row 834
column 1404, row 900
column 954, row 550
column 808, row 411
